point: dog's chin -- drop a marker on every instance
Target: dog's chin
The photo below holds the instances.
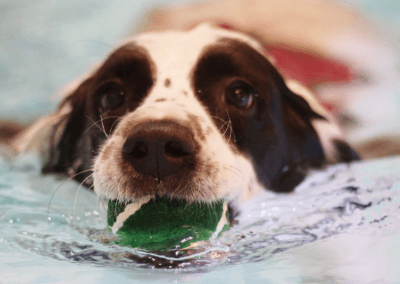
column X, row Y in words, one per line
column 145, row 187
column 158, row 192
column 171, row 199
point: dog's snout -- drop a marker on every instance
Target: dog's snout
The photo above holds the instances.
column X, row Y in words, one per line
column 158, row 148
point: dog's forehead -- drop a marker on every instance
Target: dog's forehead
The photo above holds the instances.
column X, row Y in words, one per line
column 175, row 53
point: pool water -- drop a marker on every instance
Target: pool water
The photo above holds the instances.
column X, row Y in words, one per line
column 340, row 225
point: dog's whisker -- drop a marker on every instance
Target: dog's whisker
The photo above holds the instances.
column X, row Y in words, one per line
column 102, row 203
column 236, row 170
column 122, row 195
column 227, row 128
column 99, row 202
column 98, row 207
column 95, row 123
column 102, row 124
column 64, row 182
column 223, row 125
column 76, row 196
column 229, row 123
column 231, row 127
column 98, row 126
column 112, row 126
column 217, row 118
column 187, row 204
column 177, row 189
column 185, row 188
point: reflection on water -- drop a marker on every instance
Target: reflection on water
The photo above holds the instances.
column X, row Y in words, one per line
column 340, row 208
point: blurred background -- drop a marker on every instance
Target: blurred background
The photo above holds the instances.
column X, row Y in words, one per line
column 46, row 44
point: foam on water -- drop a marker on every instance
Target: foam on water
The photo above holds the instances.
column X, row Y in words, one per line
column 339, row 225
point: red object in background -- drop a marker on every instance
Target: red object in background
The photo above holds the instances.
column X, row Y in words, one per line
column 307, row 68
column 310, row 70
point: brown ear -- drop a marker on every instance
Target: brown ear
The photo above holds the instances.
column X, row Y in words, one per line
column 332, row 138
column 69, row 149
column 300, row 145
column 36, row 137
column 297, row 147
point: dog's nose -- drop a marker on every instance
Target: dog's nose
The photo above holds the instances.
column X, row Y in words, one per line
column 158, row 148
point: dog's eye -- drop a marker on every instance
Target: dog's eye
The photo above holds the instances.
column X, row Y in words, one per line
column 111, row 97
column 240, row 94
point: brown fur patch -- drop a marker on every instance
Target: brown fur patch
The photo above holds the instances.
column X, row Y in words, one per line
column 160, row 100
column 194, row 121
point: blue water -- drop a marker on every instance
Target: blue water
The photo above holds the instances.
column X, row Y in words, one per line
column 337, row 226
column 340, row 226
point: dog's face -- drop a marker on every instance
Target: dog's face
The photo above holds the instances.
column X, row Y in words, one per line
column 199, row 115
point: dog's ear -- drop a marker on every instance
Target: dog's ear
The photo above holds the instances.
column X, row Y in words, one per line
column 69, row 149
column 298, row 144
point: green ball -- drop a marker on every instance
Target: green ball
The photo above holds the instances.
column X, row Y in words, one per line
column 163, row 224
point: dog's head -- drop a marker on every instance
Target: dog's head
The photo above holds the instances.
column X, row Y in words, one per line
column 199, row 115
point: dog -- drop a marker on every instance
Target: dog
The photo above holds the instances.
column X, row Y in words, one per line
column 198, row 115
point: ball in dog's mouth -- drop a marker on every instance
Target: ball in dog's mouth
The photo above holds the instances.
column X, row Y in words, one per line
column 162, row 223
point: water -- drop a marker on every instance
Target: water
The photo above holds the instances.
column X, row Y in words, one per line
column 340, row 225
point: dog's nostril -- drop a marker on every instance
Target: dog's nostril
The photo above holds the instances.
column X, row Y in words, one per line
column 136, row 149
column 139, row 149
column 177, row 149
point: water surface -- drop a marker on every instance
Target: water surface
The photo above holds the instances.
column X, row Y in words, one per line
column 340, row 225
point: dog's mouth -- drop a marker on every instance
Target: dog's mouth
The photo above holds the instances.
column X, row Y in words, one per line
column 162, row 223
